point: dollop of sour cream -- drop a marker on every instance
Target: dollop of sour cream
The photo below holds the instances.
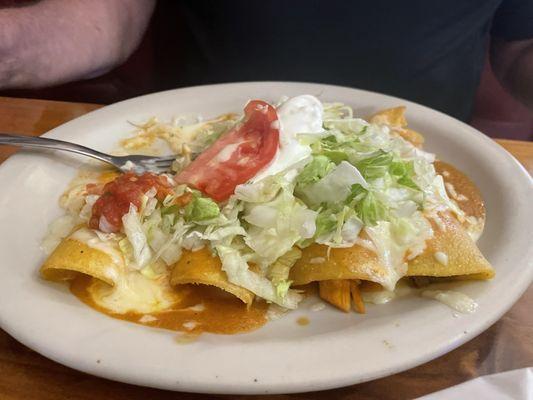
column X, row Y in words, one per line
column 298, row 115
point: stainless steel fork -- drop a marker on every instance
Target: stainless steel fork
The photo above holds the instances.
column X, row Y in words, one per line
column 135, row 163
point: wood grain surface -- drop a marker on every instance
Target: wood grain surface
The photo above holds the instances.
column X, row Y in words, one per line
column 26, row 375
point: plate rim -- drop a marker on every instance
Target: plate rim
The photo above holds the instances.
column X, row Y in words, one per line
column 287, row 387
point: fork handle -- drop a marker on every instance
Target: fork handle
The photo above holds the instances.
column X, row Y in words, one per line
column 39, row 142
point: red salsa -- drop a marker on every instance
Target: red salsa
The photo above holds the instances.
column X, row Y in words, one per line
column 117, row 196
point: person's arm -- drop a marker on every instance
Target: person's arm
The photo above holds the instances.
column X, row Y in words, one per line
column 512, row 62
column 50, row 42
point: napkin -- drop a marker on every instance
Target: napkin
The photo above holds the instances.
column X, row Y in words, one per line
column 512, row 385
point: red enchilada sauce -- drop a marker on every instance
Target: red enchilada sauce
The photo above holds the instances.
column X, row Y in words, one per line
column 200, row 309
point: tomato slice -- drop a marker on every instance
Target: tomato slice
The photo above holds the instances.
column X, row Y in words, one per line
column 118, row 194
column 238, row 155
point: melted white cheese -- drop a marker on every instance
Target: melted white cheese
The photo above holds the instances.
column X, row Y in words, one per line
column 301, row 114
column 384, row 296
column 456, row 300
column 147, row 318
column 442, row 258
column 378, row 297
column 133, row 292
column 475, row 227
column 275, row 312
column 319, row 306
column 57, row 231
column 389, row 253
column 190, row 325
column 91, row 239
column 197, row 307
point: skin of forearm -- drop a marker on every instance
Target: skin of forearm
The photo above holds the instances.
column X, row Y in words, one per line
column 512, row 63
column 56, row 41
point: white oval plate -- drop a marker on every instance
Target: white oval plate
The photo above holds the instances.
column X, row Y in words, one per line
column 335, row 349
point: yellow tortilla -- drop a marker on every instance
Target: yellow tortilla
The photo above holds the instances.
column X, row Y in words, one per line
column 465, row 261
column 354, row 262
column 110, row 288
column 201, row 268
column 395, row 118
column 390, row 116
column 72, row 257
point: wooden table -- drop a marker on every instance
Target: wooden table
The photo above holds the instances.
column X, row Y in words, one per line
column 26, row 375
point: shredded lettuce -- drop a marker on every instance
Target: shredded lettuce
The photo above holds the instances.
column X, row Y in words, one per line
column 375, row 166
column 341, row 228
column 169, row 245
column 403, row 171
column 258, row 192
column 236, row 268
column 282, row 288
column 408, row 182
column 350, row 230
column 371, row 210
column 127, row 250
column 201, row 209
column 326, row 222
column 277, row 225
column 334, row 187
column 86, row 210
column 318, row 168
column 137, row 238
column 278, row 272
